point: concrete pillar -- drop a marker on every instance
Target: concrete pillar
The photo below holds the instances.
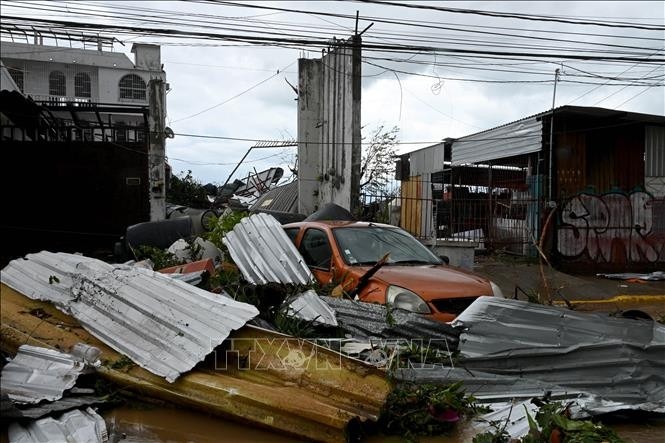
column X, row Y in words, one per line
column 329, row 139
column 157, row 150
column 310, row 85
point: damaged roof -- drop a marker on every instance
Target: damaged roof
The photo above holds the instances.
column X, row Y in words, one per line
column 264, row 253
column 164, row 325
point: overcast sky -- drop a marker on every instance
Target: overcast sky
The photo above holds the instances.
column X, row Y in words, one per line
column 243, row 96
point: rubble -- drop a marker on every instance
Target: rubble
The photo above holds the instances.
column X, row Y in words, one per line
column 259, row 377
column 504, row 352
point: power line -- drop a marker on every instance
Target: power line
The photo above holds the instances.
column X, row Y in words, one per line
column 616, row 92
column 531, row 17
column 235, row 96
column 599, row 86
column 277, row 41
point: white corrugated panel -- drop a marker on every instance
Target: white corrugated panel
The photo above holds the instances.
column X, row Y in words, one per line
column 164, row 325
column 264, row 253
column 426, row 160
column 654, row 148
column 72, row 427
column 37, row 374
column 521, row 137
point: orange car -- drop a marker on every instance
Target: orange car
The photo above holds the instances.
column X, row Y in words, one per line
column 413, row 278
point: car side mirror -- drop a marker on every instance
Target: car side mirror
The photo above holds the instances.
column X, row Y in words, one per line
column 445, row 259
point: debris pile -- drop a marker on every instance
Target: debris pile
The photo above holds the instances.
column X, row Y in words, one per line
column 236, row 324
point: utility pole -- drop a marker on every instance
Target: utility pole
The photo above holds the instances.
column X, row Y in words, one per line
column 556, row 79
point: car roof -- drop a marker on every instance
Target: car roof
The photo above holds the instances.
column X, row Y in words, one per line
column 330, row 224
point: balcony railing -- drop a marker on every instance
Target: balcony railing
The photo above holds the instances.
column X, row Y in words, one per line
column 58, row 100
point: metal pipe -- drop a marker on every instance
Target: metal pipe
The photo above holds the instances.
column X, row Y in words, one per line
column 237, row 166
column 549, row 186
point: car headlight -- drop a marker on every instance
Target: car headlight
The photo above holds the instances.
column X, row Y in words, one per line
column 404, row 299
column 496, row 290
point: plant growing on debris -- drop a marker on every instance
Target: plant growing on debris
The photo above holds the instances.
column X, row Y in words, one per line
column 414, row 410
column 552, row 424
column 222, row 225
column 160, row 258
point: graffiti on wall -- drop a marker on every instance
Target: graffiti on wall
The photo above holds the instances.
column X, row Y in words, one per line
column 613, row 228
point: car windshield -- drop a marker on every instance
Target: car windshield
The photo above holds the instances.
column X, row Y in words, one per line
column 366, row 245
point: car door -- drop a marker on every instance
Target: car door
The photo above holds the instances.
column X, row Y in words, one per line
column 317, row 253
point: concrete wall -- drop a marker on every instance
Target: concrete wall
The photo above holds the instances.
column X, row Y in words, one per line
column 329, row 148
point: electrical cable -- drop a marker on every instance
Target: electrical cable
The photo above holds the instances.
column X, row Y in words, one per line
column 235, row 96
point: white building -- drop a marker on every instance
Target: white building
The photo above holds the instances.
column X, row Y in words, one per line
column 74, row 81
column 65, row 74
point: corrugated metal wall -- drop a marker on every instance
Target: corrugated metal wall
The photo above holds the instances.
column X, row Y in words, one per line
column 521, row 137
column 427, row 160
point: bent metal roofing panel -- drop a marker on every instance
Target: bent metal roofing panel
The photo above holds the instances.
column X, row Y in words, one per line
column 264, row 253
column 164, row 325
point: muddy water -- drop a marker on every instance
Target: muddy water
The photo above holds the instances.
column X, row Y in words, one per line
column 167, row 425
column 155, row 425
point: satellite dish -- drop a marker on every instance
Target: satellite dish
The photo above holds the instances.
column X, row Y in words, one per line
column 168, row 132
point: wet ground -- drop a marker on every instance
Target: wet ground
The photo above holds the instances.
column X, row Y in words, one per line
column 510, row 271
column 162, row 424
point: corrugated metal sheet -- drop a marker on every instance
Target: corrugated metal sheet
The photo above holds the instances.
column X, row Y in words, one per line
column 497, row 325
column 164, row 325
column 521, row 137
column 370, row 320
column 615, row 359
column 426, row 160
column 37, row 374
column 485, row 387
column 309, row 306
column 72, row 427
column 264, row 253
column 654, row 148
column 282, row 198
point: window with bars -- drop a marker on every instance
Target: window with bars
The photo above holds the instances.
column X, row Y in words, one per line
column 133, row 87
column 17, row 76
column 57, row 83
column 82, row 85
